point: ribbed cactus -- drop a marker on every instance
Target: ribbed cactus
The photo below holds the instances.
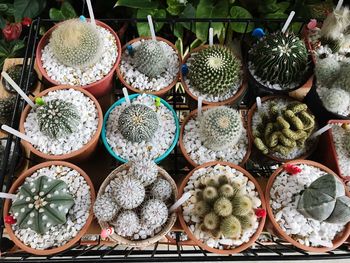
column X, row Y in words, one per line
column 128, row 192
column 154, row 213
column 15, row 72
column 326, row 70
column 161, row 189
column 7, row 106
column 279, row 58
column 336, row 100
column 145, row 170
column 77, row 44
column 220, row 128
column 42, row 204
column 127, row 223
column 138, row 122
column 214, row 70
column 150, row 58
column 105, row 208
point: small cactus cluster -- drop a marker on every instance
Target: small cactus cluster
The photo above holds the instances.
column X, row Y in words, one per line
column 220, row 128
column 76, row 43
column 57, row 118
column 7, row 106
column 282, row 130
column 42, row 204
column 138, row 122
column 223, row 208
column 279, row 58
column 15, row 72
column 150, row 58
column 214, row 70
column 325, row 200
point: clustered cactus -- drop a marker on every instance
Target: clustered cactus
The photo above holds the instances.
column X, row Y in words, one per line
column 223, row 208
column 76, row 43
column 145, row 170
column 15, row 72
column 137, row 123
column 150, row 58
column 220, row 128
column 325, row 200
column 282, row 130
column 214, row 70
column 7, row 106
column 42, row 204
column 105, row 208
column 279, row 58
column 57, row 118
column 128, row 192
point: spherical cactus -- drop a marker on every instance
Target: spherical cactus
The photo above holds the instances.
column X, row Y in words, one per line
column 336, row 100
column 230, row 227
column 241, row 205
column 342, row 80
column 210, row 194
column 227, row 190
column 247, row 221
column 220, row 128
column 144, row 170
column 326, row 70
column 150, row 58
column 7, row 106
column 201, row 208
column 138, row 123
column 161, row 189
column 223, row 207
column 154, row 213
column 57, row 118
column 127, row 223
column 214, row 70
column 15, row 73
column 211, row 221
column 279, row 58
column 128, row 192
column 76, row 44
column 211, row 182
column 105, row 208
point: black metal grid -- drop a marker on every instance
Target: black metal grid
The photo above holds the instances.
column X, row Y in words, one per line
column 270, row 248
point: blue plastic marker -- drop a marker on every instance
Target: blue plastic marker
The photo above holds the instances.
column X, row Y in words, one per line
column 82, row 18
column 184, row 69
column 130, row 49
column 258, row 32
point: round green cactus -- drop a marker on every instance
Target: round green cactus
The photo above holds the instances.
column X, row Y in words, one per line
column 336, row 100
column 231, row 227
column 42, row 204
column 210, row 194
column 227, row 190
column 138, row 122
column 57, row 118
column 241, row 205
column 247, row 221
column 15, row 73
column 223, row 207
column 211, row 221
column 7, row 106
column 201, row 208
column 214, row 70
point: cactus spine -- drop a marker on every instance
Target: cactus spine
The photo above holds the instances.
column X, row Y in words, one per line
column 128, row 192
column 105, row 208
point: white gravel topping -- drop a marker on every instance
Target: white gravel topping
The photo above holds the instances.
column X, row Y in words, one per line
column 201, row 154
column 338, row 135
column 285, row 193
column 194, row 222
column 140, row 81
column 159, row 144
column 74, row 141
column 182, row 237
column 82, row 77
column 76, row 217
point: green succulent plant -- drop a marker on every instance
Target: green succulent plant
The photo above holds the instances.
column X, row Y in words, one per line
column 15, row 72
column 7, row 106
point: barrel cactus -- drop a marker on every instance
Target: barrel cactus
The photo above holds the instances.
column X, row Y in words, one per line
column 57, row 118
column 138, row 122
column 41, row 204
column 154, row 213
column 336, row 100
column 128, row 192
column 127, row 223
column 326, row 70
column 279, row 58
column 77, row 44
column 105, row 208
column 15, row 73
column 7, row 106
column 150, row 58
column 214, row 70
column 220, row 128
column 144, row 170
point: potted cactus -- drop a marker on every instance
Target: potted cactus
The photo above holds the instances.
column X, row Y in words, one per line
column 134, row 200
column 282, row 128
column 65, row 124
column 7, row 106
column 149, row 65
column 78, row 53
column 15, row 72
column 147, row 126
column 213, row 73
column 226, row 211
column 218, row 134
column 308, row 206
column 52, row 209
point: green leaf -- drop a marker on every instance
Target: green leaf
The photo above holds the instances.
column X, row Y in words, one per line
column 283, row 6
column 143, row 28
column 188, row 12
column 178, row 30
column 2, row 22
column 25, row 8
column 174, row 7
column 240, row 12
column 68, row 10
column 56, row 14
column 179, row 46
column 277, row 14
column 149, row 4
column 3, row 8
column 268, row 6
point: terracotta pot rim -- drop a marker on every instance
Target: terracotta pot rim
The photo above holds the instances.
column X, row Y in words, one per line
column 340, row 238
column 45, row 38
column 75, row 153
column 258, row 231
column 251, row 112
column 19, row 181
column 242, row 88
column 159, row 92
column 193, row 114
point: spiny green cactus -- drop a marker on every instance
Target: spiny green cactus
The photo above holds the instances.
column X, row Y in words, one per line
column 128, row 192
column 227, row 190
column 57, row 118
column 15, row 72
column 138, row 122
column 42, row 204
column 77, row 44
column 210, row 193
column 220, row 128
column 279, row 58
column 336, row 100
column 150, row 58
column 247, row 221
column 201, row 208
column 223, row 207
column 7, row 106
column 214, row 70
column 242, row 205
column 231, row 227
column 211, row 221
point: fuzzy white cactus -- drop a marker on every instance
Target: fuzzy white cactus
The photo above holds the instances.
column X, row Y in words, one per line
column 144, row 170
column 154, row 213
column 128, row 192
column 105, row 208
column 161, row 189
column 126, row 224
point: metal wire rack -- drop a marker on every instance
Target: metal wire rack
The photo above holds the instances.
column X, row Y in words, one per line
column 91, row 248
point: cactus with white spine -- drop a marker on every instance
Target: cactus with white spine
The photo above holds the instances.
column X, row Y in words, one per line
column 326, row 70
column 105, row 208
column 127, row 223
column 336, row 100
column 161, row 189
column 145, row 170
column 154, row 213
column 128, row 192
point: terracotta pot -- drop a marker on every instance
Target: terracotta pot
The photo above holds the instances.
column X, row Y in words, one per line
column 204, row 246
column 239, row 94
column 20, row 181
column 98, row 88
column 182, row 146
column 78, row 155
column 339, row 240
column 161, row 92
column 250, row 131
